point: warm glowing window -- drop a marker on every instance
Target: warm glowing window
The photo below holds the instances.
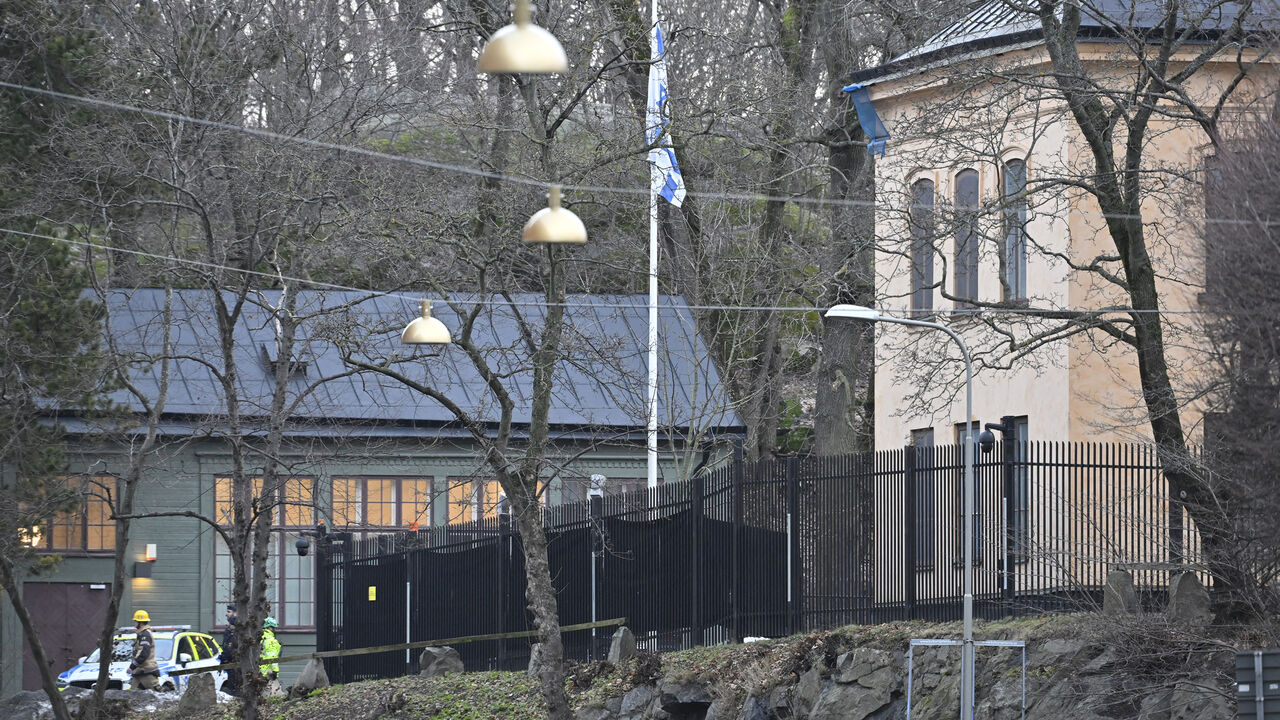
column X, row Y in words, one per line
column 382, row 502
column 473, row 499
column 296, row 497
column 290, row 578
column 88, row 526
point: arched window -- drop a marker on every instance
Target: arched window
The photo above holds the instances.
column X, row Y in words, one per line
column 966, row 262
column 922, row 231
column 1013, row 256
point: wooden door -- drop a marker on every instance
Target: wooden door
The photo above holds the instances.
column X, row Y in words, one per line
column 68, row 617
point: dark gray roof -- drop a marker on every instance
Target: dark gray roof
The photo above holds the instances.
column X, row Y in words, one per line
column 599, row 384
column 1001, row 24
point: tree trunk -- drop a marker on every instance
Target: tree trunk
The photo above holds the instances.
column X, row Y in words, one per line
column 541, row 595
column 47, row 681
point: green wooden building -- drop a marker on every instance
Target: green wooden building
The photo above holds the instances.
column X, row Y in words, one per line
column 361, row 450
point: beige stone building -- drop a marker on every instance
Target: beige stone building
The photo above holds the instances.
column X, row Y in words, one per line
column 981, row 222
column 986, row 222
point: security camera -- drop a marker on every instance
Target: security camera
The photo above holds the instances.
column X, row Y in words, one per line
column 303, row 545
column 986, row 441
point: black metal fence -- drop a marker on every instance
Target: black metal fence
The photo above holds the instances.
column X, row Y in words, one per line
column 767, row 549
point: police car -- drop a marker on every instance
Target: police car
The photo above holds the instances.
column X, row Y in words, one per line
column 177, row 647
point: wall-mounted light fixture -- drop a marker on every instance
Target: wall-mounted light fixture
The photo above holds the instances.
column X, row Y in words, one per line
column 142, row 569
column 151, row 552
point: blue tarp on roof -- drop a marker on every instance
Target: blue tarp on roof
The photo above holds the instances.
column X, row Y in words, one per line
column 869, row 119
column 600, row 381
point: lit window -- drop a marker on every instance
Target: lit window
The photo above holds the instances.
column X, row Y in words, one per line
column 290, row 577
column 382, row 503
column 87, row 526
column 966, row 262
column 472, row 499
column 922, row 231
column 1013, row 258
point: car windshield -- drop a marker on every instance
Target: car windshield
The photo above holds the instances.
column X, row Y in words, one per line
column 123, row 650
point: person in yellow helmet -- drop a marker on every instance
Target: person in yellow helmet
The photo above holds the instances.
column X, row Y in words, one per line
column 143, row 670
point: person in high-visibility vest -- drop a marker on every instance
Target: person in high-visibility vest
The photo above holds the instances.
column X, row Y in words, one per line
column 270, row 648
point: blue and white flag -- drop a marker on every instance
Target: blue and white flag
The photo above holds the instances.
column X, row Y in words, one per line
column 667, row 180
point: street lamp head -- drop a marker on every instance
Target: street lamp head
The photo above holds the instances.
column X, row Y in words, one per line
column 853, row 312
column 554, row 224
column 426, row 330
column 522, row 47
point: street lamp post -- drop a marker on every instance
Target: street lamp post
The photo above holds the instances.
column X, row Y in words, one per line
column 866, row 314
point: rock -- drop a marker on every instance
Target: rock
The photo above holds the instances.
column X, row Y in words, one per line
column 721, row 709
column 535, row 660
column 637, row 699
column 1119, row 596
column 594, row 713
column 1194, row 701
column 26, row 705
column 683, row 693
column 1188, row 600
column 808, row 689
column 273, row 689
column 622, row 646
column 867, row 667
column 312, row 678
column 439, row 661
column 754, row 708
column 199, row 696
column 850, row 702
column 778, row 702
column 613, row 704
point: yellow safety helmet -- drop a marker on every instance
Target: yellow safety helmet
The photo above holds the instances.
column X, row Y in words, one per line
column 141, row 616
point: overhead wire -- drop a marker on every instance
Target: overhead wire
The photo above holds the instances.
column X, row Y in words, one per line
column 503, row 303
column 528, row 182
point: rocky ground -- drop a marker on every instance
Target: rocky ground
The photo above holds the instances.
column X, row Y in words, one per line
column 1084, row 667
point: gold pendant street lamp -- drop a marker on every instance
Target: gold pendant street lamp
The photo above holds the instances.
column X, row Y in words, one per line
column 522, row 47
column 554, row 224
column 426, row 330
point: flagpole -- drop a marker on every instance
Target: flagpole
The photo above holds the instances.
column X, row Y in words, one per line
column 653, row 331
column 652, row 435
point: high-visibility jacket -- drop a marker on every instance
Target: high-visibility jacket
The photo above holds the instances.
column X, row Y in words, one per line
column 270, row 651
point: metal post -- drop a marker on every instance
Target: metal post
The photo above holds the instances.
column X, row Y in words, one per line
column 795, row 569
column 596, row 503
column 1009, row 468
column 966, row 656
column 696, row 511
column 909, row 569
column 738, row 470
column 504, row 567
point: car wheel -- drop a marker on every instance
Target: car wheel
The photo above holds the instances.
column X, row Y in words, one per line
column 167, row 687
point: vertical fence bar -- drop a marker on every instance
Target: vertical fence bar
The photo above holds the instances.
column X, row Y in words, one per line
column 697, row 513
column 909, row 531
column 795, row 569
column 504, row 569
column 1008, row 445
column 736, row 576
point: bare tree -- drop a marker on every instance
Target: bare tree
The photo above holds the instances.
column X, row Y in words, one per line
column 1174, row 74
